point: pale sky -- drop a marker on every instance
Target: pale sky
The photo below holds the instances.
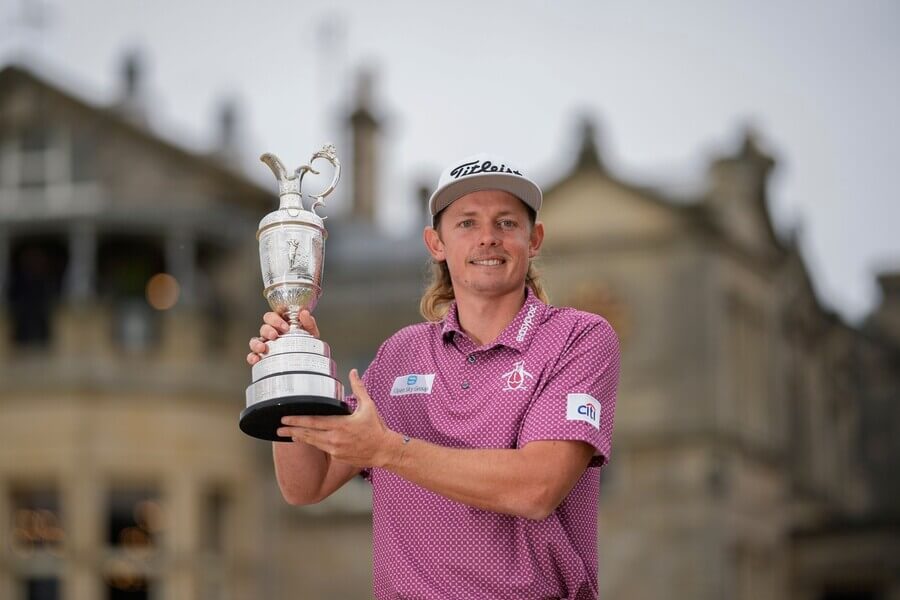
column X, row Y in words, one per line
column 671, row 84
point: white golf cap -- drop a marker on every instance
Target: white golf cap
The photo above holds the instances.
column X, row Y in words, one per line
column 482, row 172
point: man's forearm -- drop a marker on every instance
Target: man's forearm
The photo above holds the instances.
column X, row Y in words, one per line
column 300, row 470
column 508, row 481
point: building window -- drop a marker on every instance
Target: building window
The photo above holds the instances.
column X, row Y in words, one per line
column 134, row 518
column 214, row 542
column 125, row 267
column 37, row 537
column 41, row 588
column 36, row 521
column 128, row 587
column 747, row 347
column 35, row 287
column 216, row 507
column 135, row 521
column 33, row 148
column 210, row 273
column 83, row 156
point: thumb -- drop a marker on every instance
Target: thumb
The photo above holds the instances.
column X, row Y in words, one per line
column 359, row 390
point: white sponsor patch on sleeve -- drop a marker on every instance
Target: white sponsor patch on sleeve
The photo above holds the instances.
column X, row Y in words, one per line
column 583, row 407
column 412, row 384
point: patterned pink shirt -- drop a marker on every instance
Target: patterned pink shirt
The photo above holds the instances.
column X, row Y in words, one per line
column 551, row 375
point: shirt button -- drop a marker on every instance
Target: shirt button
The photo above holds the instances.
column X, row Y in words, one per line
column 465, row 385
column 472, row 359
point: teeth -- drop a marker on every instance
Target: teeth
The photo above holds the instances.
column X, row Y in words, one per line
column 490, row 263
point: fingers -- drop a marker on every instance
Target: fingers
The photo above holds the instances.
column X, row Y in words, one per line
column 258, row 346
column 309, row 323
column 268, row 332
column 273, row 326
column 316, row 423
column 278, row 324
column 312, row 437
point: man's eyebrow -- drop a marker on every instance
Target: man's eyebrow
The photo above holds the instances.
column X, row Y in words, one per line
column 473, row 213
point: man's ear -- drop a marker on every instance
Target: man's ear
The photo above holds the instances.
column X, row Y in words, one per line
column 433, row 244
column 537, row 238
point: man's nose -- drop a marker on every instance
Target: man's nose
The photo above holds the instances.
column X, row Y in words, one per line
column 489, row 238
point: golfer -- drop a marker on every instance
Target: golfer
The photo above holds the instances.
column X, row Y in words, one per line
column 482, row 430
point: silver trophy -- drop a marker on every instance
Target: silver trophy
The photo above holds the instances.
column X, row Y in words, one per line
column 297, row 375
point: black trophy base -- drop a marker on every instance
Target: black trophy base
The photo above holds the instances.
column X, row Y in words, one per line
column 263, row 419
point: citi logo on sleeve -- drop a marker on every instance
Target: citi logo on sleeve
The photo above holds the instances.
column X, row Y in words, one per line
column 583, row 407
column 414, row 383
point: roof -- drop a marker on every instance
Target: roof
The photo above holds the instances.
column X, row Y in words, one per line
column 12, row 76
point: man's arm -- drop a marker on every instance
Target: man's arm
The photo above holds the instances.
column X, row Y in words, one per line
column 307, row 475
column 528, row 482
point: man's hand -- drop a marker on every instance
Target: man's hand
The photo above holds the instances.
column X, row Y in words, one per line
column 273, row 326
column 360, row 439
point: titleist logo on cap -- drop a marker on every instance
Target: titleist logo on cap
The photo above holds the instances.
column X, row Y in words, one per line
column 473, row 167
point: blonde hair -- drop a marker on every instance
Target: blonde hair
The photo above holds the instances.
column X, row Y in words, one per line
column 439, row 294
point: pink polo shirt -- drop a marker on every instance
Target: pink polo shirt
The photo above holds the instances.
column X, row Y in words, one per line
column 551, row 375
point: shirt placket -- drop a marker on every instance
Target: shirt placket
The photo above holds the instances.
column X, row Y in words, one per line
column 465, row 363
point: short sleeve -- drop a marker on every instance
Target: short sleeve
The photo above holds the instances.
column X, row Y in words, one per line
column 577, row 401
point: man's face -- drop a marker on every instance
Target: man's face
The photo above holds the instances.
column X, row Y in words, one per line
column 487, row 241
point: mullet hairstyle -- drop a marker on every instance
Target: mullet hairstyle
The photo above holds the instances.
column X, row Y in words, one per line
column 439, row 294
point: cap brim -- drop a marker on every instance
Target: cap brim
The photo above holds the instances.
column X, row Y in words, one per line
column 522, row 188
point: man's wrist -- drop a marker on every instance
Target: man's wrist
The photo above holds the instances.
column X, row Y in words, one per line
column 394, row 450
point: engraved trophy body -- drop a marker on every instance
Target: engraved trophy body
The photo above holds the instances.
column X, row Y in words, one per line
column 297, row 375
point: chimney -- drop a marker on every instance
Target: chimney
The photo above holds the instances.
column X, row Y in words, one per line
column 423, row 194
column 588, row 155
column 365, row 131
column 228, row 132
column 741, row 177
column 886, row 316
column 131, row 95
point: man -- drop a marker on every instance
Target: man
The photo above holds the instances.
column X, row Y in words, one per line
column 481, row 430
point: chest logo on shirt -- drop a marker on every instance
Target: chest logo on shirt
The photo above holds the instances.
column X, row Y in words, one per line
column 583, row 407
column 412, row 384
column 517, row 379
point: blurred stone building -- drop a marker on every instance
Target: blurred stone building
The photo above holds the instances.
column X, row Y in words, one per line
column 756, row 445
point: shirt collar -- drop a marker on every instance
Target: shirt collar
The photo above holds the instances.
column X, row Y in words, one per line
column 518, row 334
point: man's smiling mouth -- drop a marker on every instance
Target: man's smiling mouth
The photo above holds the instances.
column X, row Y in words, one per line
column 488, row 262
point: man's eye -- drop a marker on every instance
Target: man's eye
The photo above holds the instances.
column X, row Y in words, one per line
column 507, row 224
column 465, row 224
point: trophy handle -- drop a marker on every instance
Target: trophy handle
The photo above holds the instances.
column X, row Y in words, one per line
column 329, row 153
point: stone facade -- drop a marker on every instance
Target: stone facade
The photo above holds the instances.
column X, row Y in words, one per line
column 756, row 436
